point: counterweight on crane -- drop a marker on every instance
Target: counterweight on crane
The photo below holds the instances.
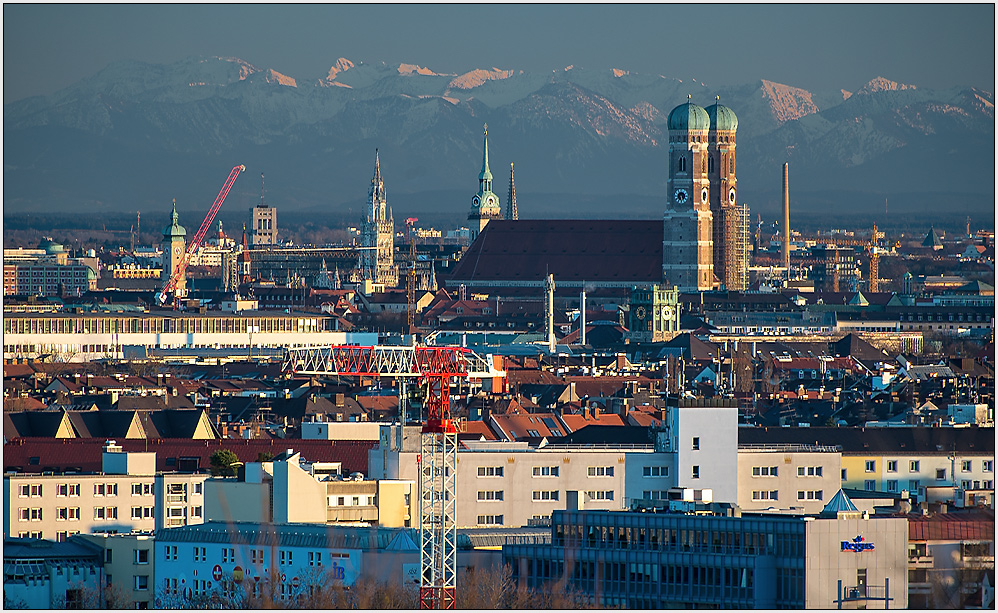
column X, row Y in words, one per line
column 192, row 247
column 435, row 367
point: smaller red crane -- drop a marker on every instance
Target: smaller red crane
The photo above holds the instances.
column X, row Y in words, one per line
column 171, row 285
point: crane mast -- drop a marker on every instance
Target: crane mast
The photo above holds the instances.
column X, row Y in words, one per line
column 435, row 367
column 171, row 285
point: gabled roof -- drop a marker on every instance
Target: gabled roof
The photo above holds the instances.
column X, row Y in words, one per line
column 107, row 424
column 528, row 425
column 608, row 435
column 480, row 428
column 48, row 424
column 177, row 423
column 689, row 347
column 572, row 250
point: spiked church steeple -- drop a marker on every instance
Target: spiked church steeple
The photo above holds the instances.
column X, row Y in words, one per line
column 511, row 200
column 485, row 204
column 377, row 261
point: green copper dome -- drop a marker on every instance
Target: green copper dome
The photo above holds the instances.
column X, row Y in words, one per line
column 174, row 229
column 721, row 117
column 689, row 117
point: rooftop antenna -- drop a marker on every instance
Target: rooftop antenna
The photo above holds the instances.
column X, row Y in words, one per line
column 262, row 191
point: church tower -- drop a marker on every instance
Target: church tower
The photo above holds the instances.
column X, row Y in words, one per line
column 730, row 256
column 378, row 261
column 687, row 245
column 485, row 204
column 511, row 212
column 174, row 245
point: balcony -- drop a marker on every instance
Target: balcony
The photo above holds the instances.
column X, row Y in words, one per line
column 176, row 498
column 851, row 593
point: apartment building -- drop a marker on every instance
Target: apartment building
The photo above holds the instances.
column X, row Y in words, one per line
column 289, row 490
column 128, row 495
column 799, row 477
column 128, row 566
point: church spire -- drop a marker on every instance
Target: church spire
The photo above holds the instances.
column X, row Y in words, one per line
column 485, row 177
column 511, row 201
column 377, row 193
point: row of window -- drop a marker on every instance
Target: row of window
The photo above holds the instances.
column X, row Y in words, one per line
column 914, row 466
column 64, row 490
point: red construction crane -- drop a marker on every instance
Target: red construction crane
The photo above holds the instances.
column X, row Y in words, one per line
column 192, row 247
column 435, row 367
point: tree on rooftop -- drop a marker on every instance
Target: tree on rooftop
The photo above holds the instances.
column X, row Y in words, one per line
column 222, row 462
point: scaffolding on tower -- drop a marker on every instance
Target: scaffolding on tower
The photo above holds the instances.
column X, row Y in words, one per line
column 434, row 368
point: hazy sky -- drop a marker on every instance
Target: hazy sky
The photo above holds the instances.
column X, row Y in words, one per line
column 47, row 47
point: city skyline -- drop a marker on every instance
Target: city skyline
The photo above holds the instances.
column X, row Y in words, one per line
column 809, row 46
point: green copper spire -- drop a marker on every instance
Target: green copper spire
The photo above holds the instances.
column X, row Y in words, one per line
column 486, row 174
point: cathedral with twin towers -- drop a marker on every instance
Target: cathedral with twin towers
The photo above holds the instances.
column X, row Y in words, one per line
column 702, row 241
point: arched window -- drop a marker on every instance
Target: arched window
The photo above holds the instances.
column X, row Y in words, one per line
column 682, row 164
column 710, row 164
column 731, row 164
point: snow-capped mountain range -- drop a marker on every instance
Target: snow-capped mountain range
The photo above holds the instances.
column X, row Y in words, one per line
column 586, row 143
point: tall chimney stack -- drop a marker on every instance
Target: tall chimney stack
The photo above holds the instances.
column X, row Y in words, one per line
column 786, row 218
column 582, row 320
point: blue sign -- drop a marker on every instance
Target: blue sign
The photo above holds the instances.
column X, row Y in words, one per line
column 858, row 545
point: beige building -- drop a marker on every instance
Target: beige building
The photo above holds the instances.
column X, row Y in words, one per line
column 129, row 566
column 796, row 477
column 127, row 496
column 510, row 484
column 287, row 490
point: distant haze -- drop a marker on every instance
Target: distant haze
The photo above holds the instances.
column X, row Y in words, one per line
column 50, row 46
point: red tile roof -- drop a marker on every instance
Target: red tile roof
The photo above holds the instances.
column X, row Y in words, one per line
column 479, row 427
column 952, row 527
column 85, row 454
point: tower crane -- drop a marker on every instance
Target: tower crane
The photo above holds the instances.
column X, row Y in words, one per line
column 171, row 284
column 434, row 367
column 410, row 279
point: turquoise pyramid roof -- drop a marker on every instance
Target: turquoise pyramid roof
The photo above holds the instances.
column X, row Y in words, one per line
column 839, row 502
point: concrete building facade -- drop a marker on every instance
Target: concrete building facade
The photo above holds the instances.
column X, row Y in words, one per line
column 128, row 495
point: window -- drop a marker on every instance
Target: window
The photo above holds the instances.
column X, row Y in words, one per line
column 285, row 556
column 940, row 474
column 228, row 555
column 965, row 484
column 195, row 511
column 490, row 495
column 696, row 472
column 74, row 513
column 141, row 556
column 136, row 489
column 490, row 471
column 315, row 558
column 844, row 474
column 988, row 466
column 892, row 485
column 871, row 466
column 490, row 520
column 913, row 466
column 200, row 554
column 23, row 490
column 545, row 471
column 696, row 443
column 62, row 514
column 170, row 552
column 892, row 466
column 966, row 466
column 764, row 471
column 600, row 495
column 198, row 488
column 601, row 471
column 136, row 512
column 256, row 556
column 988, row 485
column 766, row 495
column 545, row 495
column 655, row 471
column 74, row 489
column 141, row 582
column 870, row 485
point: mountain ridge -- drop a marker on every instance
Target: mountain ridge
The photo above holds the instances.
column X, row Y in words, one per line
column 571, row 130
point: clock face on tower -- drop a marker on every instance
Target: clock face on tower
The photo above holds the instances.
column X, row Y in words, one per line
column 680, row 196
column 731, row 196
column 490, row 201
column 474, row 201
column 703, row 195
column 177, row 250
